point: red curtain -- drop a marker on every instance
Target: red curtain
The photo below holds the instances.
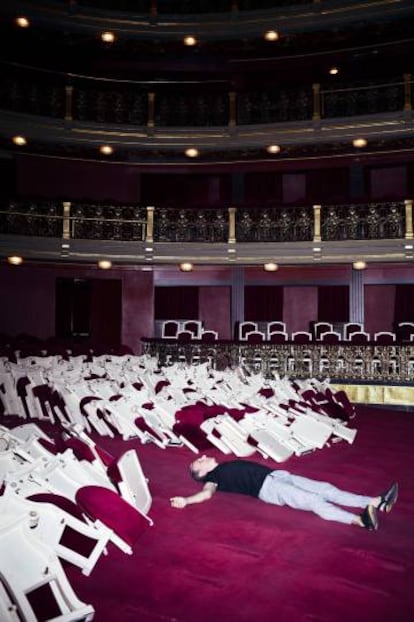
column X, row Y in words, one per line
column 263, row 303
column 176, row 303
column 333, row 303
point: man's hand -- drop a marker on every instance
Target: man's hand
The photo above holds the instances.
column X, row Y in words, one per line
column 178, row 502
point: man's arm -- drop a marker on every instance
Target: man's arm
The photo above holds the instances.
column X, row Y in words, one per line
column 204, row 495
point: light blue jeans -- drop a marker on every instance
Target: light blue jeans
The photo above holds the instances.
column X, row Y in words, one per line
column 301, row 493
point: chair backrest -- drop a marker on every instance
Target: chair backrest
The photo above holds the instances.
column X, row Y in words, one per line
column 194, row 326
column 170, row 329
column 246, row 327
column 330, row 337
column 359, row 337
column 184, row 336
column 352, row 327
column 321, row 327
column 301, row 336
column 277, row 336
column 255, row 336
column 384, row 337
column 209, row 335
column 275, row 327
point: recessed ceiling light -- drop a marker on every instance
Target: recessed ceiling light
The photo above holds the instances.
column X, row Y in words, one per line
column 270, row 266
column 192, row 153
column 105, row 264
column 23, row 22
column 190, row 41
column 271, row 35
column 360, row 142
column 359, row 265
column 186, row 266
column 273, row 149
column 15, row 260
column 108, row 37
column 334, row 71
column 19, row 140
column 106, row 149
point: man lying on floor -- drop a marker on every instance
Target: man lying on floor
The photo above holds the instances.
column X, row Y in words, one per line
column 284, row 488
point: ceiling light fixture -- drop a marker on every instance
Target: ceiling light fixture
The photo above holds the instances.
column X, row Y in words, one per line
column 359, row 265
column 19, row 140
column 15, row 260
column 108, row 37
column 273, row 149
column 192, row 152
column 23, row 22
column 190, row 41
column 271, row 35
column 359, row 142
column 186, row 266
column 105, row 264
column 270, row 266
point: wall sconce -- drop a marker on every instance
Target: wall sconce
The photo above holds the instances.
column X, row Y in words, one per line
column 186, row 266
column 270, row 266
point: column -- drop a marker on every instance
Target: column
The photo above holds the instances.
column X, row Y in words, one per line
column 356, row 297
column 237, row 296
column 66, row 220
column 150, row 225
column 316, row 223
column 408, row 219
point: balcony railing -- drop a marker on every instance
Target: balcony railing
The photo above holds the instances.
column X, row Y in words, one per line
column 96, row 100
column 366, row 221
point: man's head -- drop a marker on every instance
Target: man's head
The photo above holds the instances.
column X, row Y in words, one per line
column 200, row 467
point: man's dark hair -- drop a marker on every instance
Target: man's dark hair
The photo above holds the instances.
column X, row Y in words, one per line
column 195, row 474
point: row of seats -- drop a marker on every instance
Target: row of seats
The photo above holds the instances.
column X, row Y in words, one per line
column 358, row 337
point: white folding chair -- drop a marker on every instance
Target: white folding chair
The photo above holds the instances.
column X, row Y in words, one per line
column 26, row 565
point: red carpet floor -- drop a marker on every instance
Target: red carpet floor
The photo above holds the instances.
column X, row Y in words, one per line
column 236, row 559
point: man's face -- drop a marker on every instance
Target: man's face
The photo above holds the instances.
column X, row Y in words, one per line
column 204, row 465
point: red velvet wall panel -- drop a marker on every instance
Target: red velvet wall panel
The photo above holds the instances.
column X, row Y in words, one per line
column 388, row 183
column 214, row 309
column 137, row 308
column 71, row 179
column 294, row 187
column 379, row 308
column 300, row 307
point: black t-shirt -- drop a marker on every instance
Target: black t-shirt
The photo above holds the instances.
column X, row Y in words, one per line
column 241, row 476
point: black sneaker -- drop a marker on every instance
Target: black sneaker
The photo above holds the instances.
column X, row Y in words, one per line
column 388, row 498
column 369, row 518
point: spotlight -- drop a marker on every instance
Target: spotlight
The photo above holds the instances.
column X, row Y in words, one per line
column 271, row 35
column 192, row 153
column 15, row 260
column 359, row 142
column 104, row 264
column 19, row 140
column 190, row 41
column 23, row 22
column 108, row 37
column 359, row 265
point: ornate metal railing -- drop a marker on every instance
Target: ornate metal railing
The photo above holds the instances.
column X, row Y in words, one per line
column 275, row 224
column 366, row 221
column 368, row 362
column 194, row 104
